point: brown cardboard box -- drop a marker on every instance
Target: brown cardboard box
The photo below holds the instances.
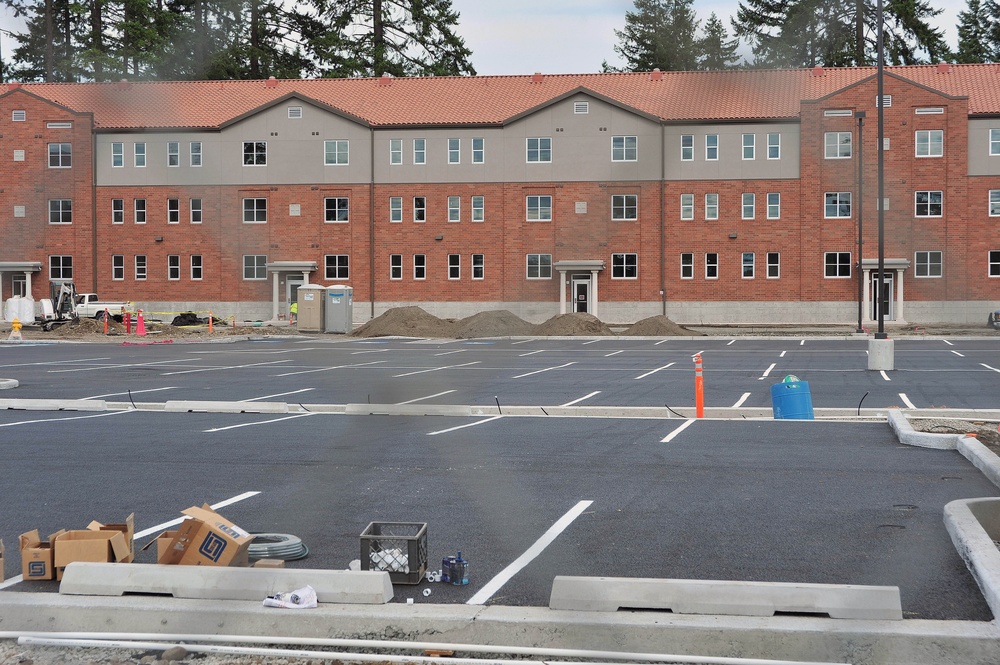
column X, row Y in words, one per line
column 37, row 556
column 208, row 539
column 128, row 530
column 88, row 545
column 269, row 563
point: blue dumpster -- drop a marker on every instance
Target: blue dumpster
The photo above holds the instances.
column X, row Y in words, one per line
column 790, row 400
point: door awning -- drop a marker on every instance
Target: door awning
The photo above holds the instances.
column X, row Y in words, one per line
column 890, row 264
column 586, row 265
column 291, row 266
column 20, row 266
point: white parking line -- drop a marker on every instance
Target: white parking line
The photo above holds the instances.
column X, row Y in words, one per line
column 530, row 353
column 782, row 354
column 740, row 401
column 731, row 342
column 134, row 392
column 54, row 420
column 960, row 355
column 358, row 353
column 884, row 375
column 766, row 372
column 435, row 369
column 615, row 353
column 294, row 392
column 591, row 342
column 523, row 341
column 263, row 422
column 580, row 399
column 988, row 367
column 55, row 362
column 221, row 368
column 539, row 371
column 670, row 437
column 906, row 401
column 452, row 429
column 107, row 367
column 947, row 342
column 802, row 343
column 654, row 371
column 529, row 555
column 662, row 341
column 446, row 353
column 327, row 369
column 420, row 399
column 700, row 353
column 215, row 506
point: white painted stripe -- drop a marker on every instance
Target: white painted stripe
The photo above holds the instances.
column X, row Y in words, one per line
column 435, row 369
column 662, row 341
column 262, row 422
column 670, row 437
column 580, row 399
column 947, row 342
column 107, row 367
column 452, row 429
column 55, row 420
column 358, row 353
column 782, row 354
column 11, row 582
column 740, row 401
column 906, row 400
column 884, row 375
column 529, row 555
column 327, row 369
column 539, row 371
column 225, row 367
column 523, row 341
column 802, row 343
column 448, row 353
column 54, row 362
column 134, row 392
column 530, row 353
column 960, row 355
column 215, row 506
column 654, row 371
column 731, row 342
column 768, row 370
column 988, row 367
column 420, row 399
column 613, row 353
column 697, row 354
column 591, row 342
column 294, row 392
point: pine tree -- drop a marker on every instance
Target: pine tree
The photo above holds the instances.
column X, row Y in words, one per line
column 974, row 28
column 716, row 49
column 659, row 34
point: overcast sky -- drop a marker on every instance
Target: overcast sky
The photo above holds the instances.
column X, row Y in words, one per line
column 552, row 36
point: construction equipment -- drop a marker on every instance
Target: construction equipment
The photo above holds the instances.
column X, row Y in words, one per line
column 67, row 305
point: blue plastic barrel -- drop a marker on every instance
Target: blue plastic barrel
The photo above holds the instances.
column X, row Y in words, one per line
column 790, row 400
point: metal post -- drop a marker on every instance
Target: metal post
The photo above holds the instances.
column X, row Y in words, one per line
column 860, row 115
column 881, row 176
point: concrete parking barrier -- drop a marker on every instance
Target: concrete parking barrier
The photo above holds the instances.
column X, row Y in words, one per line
column 53, row 404
column 838, row 601
column 224, row 583
column 186, row 406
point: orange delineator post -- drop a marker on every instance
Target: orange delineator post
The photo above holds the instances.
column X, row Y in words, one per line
column 699, row 388
column 106, row 317
column 210, row 320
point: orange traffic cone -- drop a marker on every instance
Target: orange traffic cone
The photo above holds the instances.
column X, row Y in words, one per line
column 140, row 325
column 210, row 317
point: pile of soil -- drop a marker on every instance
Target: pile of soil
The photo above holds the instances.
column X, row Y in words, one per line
column 658, row 326
column 495, row 323
column 566, row 325
column 406, row 322
column 985, row 431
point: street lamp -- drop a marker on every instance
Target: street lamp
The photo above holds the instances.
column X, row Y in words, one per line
column 860, row 115
column 881, row 177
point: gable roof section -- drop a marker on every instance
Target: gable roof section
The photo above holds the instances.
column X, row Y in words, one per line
column 13, row 89
column 741, row 95
column 293, row 96
column 589, row 93
column 891, row 75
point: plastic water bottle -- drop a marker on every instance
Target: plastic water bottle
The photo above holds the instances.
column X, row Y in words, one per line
column 446, row 566
column 459, row 570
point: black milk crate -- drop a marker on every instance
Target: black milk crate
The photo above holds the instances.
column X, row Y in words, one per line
column 399, row 548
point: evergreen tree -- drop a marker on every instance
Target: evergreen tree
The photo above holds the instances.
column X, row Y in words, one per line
column 974, row 28
column 659, row 34
column 716, row 50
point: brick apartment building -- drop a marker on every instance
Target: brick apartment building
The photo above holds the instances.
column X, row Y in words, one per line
column 711, row 197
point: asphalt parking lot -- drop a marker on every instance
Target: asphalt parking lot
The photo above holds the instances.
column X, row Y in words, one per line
column 758, row 500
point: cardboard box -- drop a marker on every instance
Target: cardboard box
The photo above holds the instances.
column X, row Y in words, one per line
column 88, row 545
column 207, row 539
column 127, row 528
column 269, row 563
column 37, row 561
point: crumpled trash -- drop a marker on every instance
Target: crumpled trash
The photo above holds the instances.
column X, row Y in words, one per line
column 300, row 599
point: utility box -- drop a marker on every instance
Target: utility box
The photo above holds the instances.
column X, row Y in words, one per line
column 339, row 309
column 310, row 299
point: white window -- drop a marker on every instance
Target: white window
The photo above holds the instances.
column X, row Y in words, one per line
column 139, row 153
column 687, row 206
column 929, row 143
column 478, row 266
column 336, row 209
column 773, row 265
column 140, row 267
column 837, row 264
column 174, row 159
column 539, row 208
column 118, row 267
column 929, row 110
column 419, row 151
column 624, row 148
column 837, row 205
column 774, row 145
column 140, row 211
column 395, row 266
column 173, row 266
column 749, row 146
column 625, row 266
column 395, row 208
column 337, row 266
column 255, row 153
column 749, row 206
column 117, row 211
column 419, row 209
column 712, row 147
column 711, row 265
column 196, row 211
column 61, row 267
column 173, row 211
column 478, row 150
column 838, row 145
column 687, row 265
column 454, row 266
column 335, row 152
column 395, row 151
column 748, row 265
column 254, row 211
column 539, row 149
column 60, row 155
column 60, row 211
column 196, row 267
column 18, row 116
column 454, row 208
column 928, row 204
column 117, row 155
column 624, row 207
column 927, row 264
column 255, row 266
column 539, row 266
column 478, row 208
column 993, row 261
column 195, row 150
column 687, row 147
column 454, row 151
column 995, row 142
column 995, row 203
column 774, row 205
column 419, row 266
column 711, row 206
column 294, row 112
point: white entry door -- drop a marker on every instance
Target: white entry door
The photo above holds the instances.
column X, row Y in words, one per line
column 581, row 294
column 292, row 285
column 888, row 298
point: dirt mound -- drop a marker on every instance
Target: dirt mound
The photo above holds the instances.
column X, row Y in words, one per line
column 495, row 323
column 566, row 325
column 86, row 328
column 406, row 322
column 657, row 326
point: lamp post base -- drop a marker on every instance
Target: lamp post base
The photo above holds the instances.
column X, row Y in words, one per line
column 881, row 354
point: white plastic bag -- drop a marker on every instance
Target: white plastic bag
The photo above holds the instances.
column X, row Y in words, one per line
column 300, row 599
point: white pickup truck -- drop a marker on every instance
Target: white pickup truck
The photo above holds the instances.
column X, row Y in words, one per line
column 89, row 306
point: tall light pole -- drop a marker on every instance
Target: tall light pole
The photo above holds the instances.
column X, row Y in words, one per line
column 860, row 115
column 881, row 177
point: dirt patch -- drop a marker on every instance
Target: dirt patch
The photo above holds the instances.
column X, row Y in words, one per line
column 566, row 325
column 494, row 323
column 407, row 322
column 985, row 431
column 658, row 326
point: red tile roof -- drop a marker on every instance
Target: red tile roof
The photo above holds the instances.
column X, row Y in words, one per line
column 492, row 100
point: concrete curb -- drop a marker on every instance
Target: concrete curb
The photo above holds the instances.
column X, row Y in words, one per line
column 982, row 457
column 909, row 436
column 973, row 525
column 53, row 404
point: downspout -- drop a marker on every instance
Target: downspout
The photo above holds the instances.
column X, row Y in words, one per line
column 93, row 206
column 663, row 219
column 371, row 221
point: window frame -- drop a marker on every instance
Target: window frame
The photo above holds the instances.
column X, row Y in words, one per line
column 454, row 209
column 141, row 264
column 252, row 208
column 711, row 147
column 687, row 265
column 139, row 211
column 748, row 269
column 196, row 208
column 993, row 203
column 257, row 267
column 117, row 267
column 419, row 209
column 752, row 206
column 60, row 210
column 341, row 152
column 479, row 154
column 926, row 138
column 478, row 208
column 395, row 211
column 929, row 206
column 420, row 267
column 173, row 211
column 687, row 207
column 994, row 142
column 478, row 267
column 194, row 161
column 419, row 152
column 63, row 155
column 540, row 266
column 255, row 153
column 749, row 147
column 838, row 265
column 337, row 270
column 625, row 265
column 711, row 209
column 774, row 147
column 540, row 210
column 197, row 267
column 838, row 205
column 542, row 148
column 173, row 267
column 624, row 207
column 395, row 267
column 139, row 155
column 395, row 152
column 627, row 154
column 341, row 209
column 837, row 146
column 993, row 263
column 173, row 155
column 61, row 264
column 928, row 264
column 118, row 211
column 711, row 265
column 454, row 151
column 687, row 151
column 117, row 155
column 773, row 208
column 773, row 265
column 454, row 267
